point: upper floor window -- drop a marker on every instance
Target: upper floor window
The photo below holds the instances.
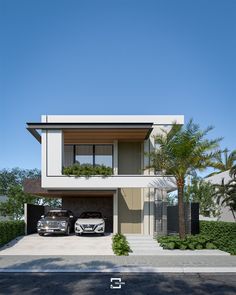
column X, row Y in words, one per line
column 84, row 154
column 103, row 155
column 91, row 154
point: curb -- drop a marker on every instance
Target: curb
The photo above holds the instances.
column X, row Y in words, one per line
column 135, row 269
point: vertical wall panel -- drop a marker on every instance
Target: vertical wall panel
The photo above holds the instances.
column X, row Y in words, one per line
column 130, row 210
column 129, row 158
column 54, row 152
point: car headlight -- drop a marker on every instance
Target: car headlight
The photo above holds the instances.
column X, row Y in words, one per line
column 63, row 223
column 40, row 223
column 101, row 224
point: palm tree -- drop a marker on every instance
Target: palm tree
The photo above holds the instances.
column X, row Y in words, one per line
column 226, row 194
column 233, row 172
column 182, row 151
column 224, row 161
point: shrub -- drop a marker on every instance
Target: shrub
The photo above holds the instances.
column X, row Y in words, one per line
column 210, row 245
column 222, row 233
column 120, row 245
column 87, row 170
column 10, row 230
column 199, row 247
column 196, row 242
column 213, row 235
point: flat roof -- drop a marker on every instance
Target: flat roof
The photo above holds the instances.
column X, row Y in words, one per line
column 154, row 119
column 139, row 131
column 102, row 122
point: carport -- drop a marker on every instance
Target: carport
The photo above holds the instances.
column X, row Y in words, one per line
column 103, row 201
column 91, row 201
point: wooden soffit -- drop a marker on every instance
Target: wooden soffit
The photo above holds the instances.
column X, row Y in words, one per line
column 72, row 136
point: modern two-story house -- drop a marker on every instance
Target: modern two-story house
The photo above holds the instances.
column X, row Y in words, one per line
column 127, row 197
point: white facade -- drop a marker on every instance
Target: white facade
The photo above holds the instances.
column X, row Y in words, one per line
column 55, row 155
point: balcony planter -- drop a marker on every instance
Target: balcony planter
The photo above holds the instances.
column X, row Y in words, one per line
column 87, row 171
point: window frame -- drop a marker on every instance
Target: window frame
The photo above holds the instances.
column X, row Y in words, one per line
column 94, row 155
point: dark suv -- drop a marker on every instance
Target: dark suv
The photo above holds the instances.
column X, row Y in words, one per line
column 56, row 222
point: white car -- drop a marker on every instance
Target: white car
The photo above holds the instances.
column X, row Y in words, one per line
column 90, row 223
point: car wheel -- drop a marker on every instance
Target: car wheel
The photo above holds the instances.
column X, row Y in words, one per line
column 40, row 234
column 102, row 234
column 68, row 231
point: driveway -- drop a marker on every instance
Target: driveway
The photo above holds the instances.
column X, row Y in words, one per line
column 59, row 245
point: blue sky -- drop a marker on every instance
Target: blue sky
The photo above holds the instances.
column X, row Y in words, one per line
column 114, row 57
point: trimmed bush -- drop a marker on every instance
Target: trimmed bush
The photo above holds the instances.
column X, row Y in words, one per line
column 196, row 242
column 223, row 234
column 9, row 230
column 120, row 245
column 87, row 170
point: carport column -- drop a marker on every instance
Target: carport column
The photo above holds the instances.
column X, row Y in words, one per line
column 115, row 212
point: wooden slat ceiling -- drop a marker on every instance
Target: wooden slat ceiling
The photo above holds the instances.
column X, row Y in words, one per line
column 104, row 135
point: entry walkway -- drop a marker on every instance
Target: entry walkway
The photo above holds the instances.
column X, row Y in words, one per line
column 143, row 245
column 146, row 245
column 59, row 245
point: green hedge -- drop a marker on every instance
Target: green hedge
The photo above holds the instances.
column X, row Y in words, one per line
column 196, row 242
column 87, row 170
column 10, row 230
column 120, row 245
column 222, row 233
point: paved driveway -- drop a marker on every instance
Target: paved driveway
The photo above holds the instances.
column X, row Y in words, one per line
column 59, row 245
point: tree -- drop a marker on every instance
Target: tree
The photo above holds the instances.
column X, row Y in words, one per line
column 202, row 192
column 225, row 193
column 11, row 185
column 224, row 161
column 171, row 199
column 180, row 152
column 14, row 206
column 233, row 172
column 15, row 177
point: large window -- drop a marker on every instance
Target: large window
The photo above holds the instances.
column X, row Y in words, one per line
column 94, row 154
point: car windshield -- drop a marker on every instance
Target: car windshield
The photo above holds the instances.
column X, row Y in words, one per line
column 57, row 214
column 91, row 215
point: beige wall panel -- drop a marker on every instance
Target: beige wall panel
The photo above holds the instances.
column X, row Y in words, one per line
column 130, row 210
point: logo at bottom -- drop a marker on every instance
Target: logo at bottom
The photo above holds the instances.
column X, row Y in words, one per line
column 116, row 283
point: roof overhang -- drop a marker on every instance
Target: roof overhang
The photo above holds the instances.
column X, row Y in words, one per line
column 33, row 187
column 143, row 128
